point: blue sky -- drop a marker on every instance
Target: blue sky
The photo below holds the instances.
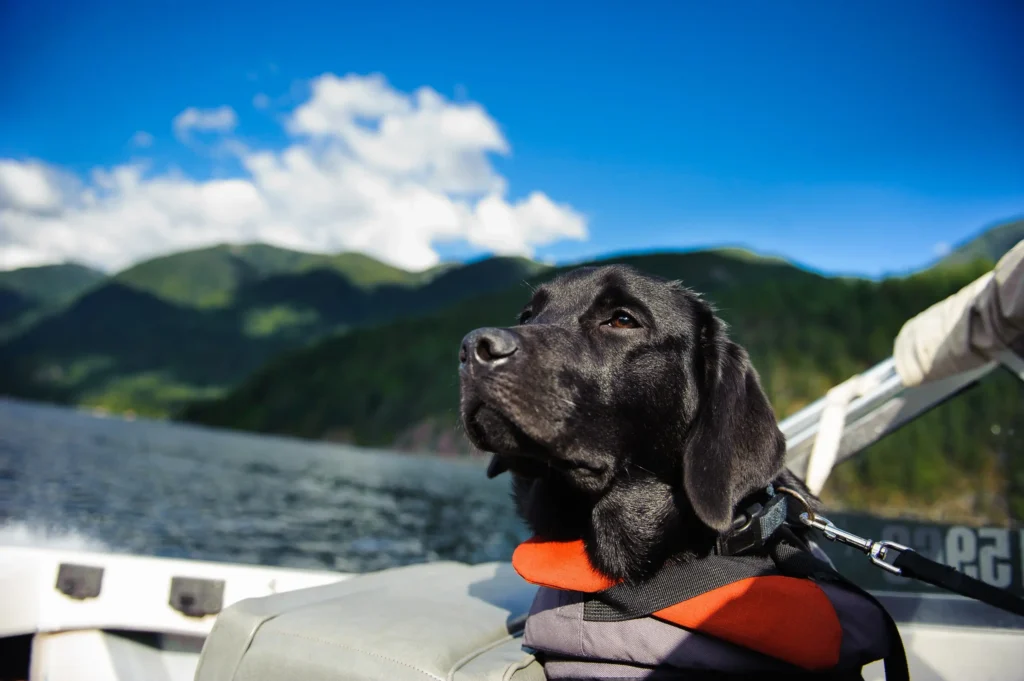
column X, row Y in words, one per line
column 851, row 137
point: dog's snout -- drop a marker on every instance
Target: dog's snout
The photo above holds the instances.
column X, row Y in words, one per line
column 487, row 346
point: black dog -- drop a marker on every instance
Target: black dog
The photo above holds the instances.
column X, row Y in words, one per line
column 626, row 415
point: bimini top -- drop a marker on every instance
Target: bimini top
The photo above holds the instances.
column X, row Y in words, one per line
column 954, row 343
column 967, row 330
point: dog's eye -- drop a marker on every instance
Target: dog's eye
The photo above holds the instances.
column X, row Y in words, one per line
column 525, row 316
column 623, row 320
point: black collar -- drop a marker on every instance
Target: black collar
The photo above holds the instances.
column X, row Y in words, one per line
column 757, row 518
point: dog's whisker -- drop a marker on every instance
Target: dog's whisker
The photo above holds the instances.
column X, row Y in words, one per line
column 633, row 463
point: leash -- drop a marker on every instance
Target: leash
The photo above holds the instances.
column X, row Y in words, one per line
column 904, row 561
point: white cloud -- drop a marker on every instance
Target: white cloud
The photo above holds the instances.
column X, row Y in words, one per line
column 942, row 249
column 29, row 187
column 261, row 101
column 221, row 119
column 142, row 139
column 368, row 168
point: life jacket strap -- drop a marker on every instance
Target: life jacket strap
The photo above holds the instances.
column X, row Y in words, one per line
column 677, row 582
column 674, row 583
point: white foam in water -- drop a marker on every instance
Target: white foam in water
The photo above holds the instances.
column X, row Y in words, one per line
column 20, row 533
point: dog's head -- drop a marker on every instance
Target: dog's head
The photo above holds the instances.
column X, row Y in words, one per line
column 614, row 379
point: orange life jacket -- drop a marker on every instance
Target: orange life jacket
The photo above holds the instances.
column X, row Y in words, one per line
column 788, row 618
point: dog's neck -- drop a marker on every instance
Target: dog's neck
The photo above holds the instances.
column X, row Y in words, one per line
column 632, row 529
column 632, row 550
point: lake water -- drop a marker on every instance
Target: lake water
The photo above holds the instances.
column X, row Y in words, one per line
column 70, row 478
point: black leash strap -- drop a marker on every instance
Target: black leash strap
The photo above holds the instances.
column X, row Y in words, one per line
column 903, row 560
column 912, row 564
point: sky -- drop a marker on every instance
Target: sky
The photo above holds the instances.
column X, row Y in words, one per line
column 858, row 138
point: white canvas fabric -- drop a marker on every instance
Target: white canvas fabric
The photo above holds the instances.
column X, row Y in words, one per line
column 967, row 330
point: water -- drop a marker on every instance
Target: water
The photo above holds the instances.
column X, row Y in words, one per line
column 69, row 478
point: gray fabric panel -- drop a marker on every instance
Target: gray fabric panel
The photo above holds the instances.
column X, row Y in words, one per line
column 608, row 671
column 864, row 627
column 419, row 622
column 556, row 626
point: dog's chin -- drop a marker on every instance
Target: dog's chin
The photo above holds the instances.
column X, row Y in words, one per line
column 491, row 430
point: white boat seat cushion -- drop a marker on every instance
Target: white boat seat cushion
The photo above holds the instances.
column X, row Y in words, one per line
column 441, row 621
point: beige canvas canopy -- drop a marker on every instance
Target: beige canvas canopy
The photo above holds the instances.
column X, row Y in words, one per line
column 952, row 344
column 967, row 330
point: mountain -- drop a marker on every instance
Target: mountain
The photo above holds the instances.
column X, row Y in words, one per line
column 127, row 350
column 51, row 284
column 372, row 384
column 806, row 330
column 28, row 292
column 193, row 324
column 14, row 304
column 309, row 303
column 210, row 277
column 991, row 244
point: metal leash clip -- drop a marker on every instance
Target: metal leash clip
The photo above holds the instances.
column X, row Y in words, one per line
column 876, row 550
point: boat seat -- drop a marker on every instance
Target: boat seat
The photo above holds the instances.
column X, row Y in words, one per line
column 443, row 621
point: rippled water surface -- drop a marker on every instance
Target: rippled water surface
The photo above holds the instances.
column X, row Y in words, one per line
column 167, row 489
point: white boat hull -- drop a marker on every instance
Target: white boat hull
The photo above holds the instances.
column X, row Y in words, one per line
column 130, row 629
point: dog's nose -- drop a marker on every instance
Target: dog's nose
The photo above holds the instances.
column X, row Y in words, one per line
column 487, row 346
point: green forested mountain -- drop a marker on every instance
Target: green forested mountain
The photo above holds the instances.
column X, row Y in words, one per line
column 27, row 293
column 210, row 277
column 989, row 245
column 376, row 383
column 193, row 324
column 51, row 284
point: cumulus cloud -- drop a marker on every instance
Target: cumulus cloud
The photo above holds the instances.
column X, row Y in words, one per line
column 28, row 187
column 367, row 168
column 221, row 119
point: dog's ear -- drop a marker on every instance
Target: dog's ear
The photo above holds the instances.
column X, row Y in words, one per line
column 734, row 445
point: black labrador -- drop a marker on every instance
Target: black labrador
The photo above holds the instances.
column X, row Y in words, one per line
column 626, row 416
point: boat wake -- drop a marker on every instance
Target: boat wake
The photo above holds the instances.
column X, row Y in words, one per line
column 20, row 533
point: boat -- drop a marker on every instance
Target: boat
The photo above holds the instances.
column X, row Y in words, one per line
column 70, row 615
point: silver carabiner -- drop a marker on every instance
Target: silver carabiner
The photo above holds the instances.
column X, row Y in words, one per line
column 875, row 550
column 879, row 550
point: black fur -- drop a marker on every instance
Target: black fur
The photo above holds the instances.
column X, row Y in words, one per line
column 640, row 441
